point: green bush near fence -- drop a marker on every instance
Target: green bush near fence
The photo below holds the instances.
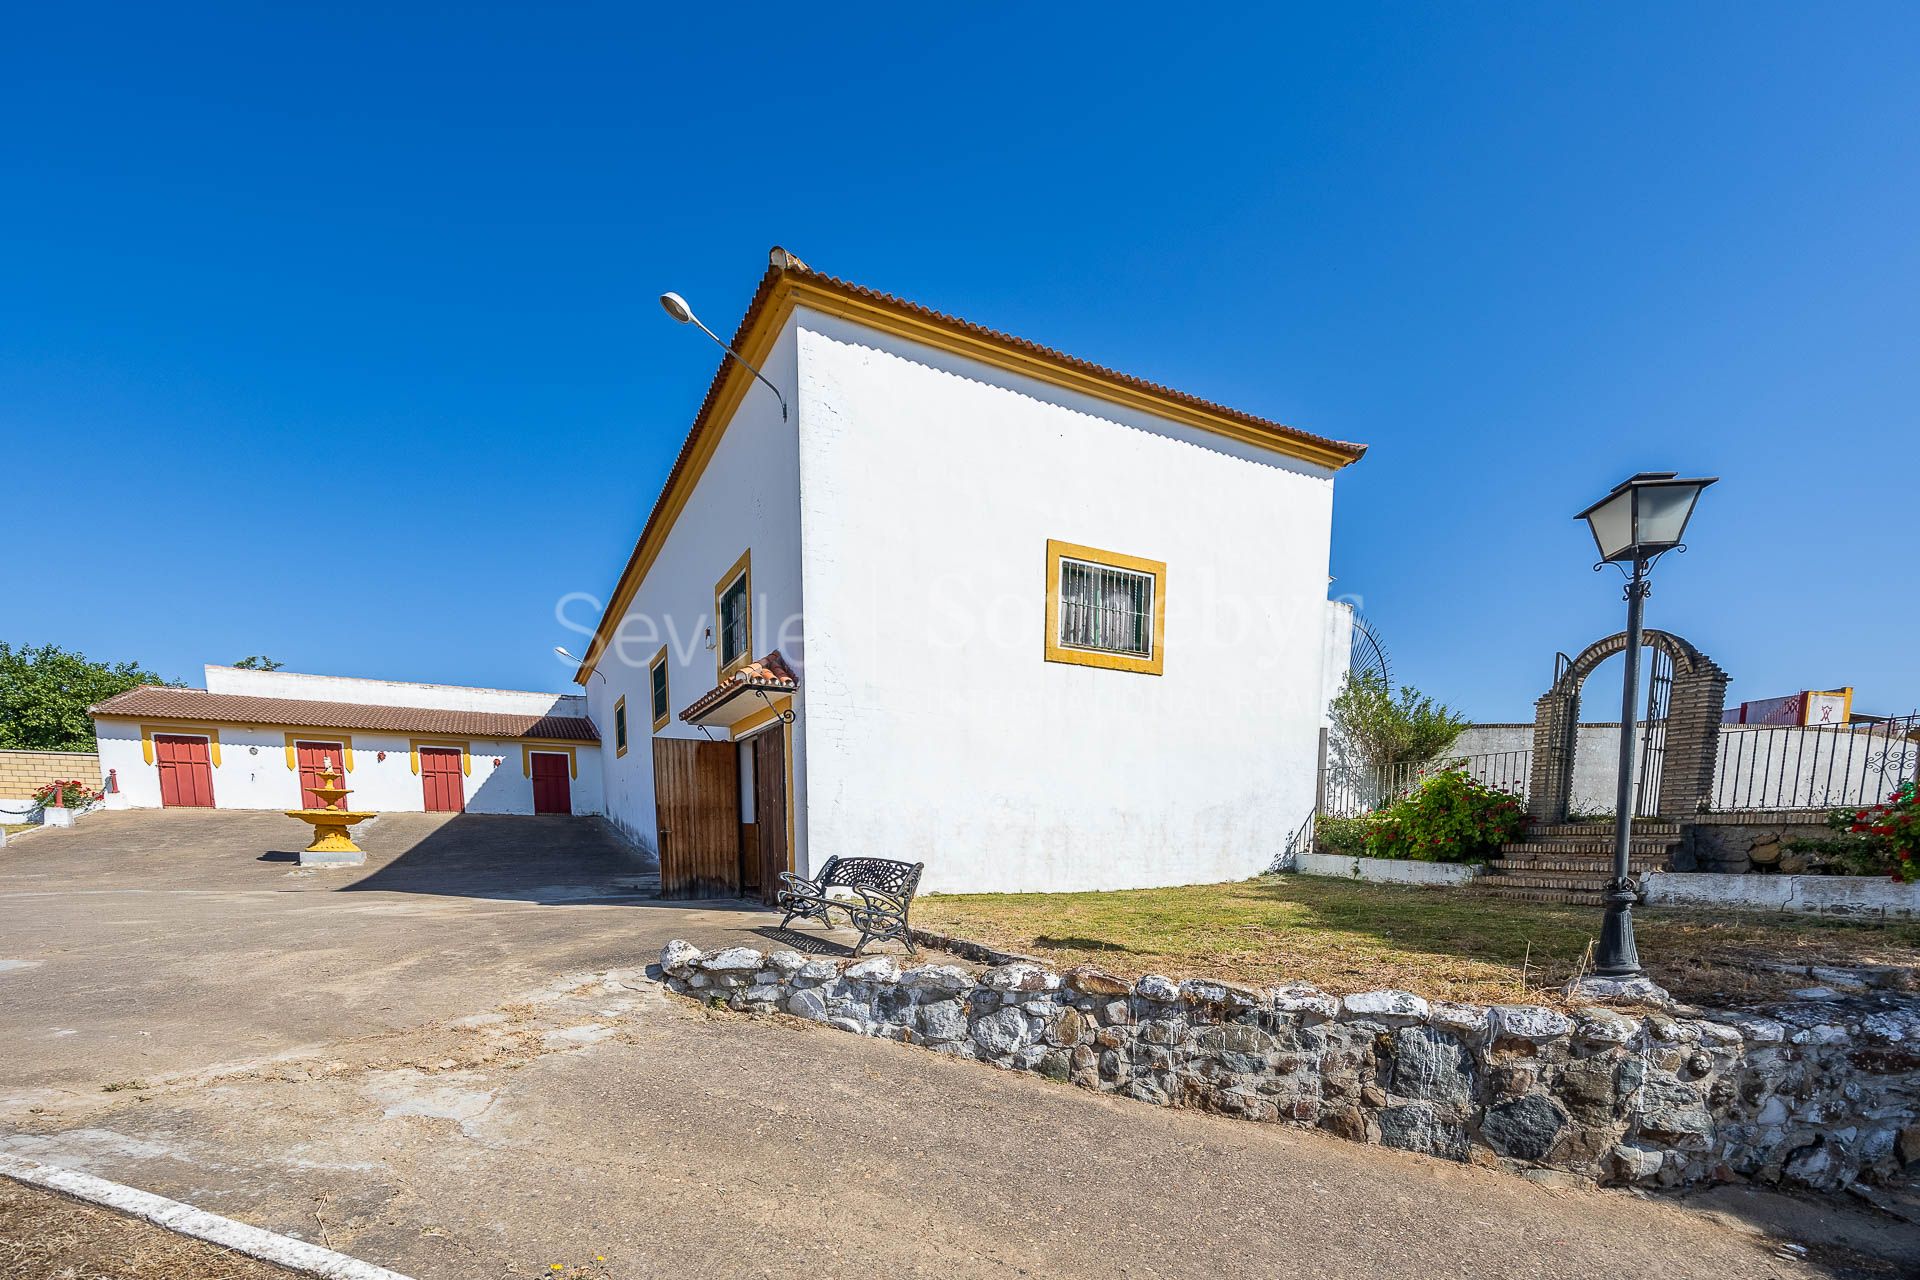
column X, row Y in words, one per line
column 1448, row 818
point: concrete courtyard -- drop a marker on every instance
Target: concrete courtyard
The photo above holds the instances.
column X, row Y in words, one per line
column 452, row 1063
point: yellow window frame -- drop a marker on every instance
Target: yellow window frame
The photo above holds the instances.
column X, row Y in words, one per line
column 742, row 569
column 1154, row 663
column 620, row 727
column 665, row 716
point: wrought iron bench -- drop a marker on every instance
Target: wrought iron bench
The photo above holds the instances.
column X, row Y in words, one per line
column 878, row 892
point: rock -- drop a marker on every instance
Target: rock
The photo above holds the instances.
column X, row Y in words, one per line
column 1470, row 1022
column 1020, row 976
column 786, row 963
column 1528, row 1022
column 1067, row 1030
column 763, row 993
column 1227, row 995
column 1603, row 1026
column 1242, row 1049
column 808, row 1003
column 1116, row 1013
column 732, row 960
column 1794, row 863
column 1314, row 1004
column 1002, row 1032
column 1907, row 1148
column 1056, row 1065
column 1096, row 982
column 1429, row 1065
column 1346, row 1122
column 1390, row 1007
column 852, row 1025
column 677, row 958
column 818, row 971
column 1525, row 1128
column 1153, row 986
column 1419, row 1126
column 1762, row 1030
column 1635, row 1163
column 1765, row 853
column 1586, row 1085
column 875, row 969
column 937, row 977
column 1811, row 1166
column 943, row 1020
column 1674, row 1112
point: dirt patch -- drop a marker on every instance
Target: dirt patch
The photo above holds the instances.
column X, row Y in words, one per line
column 44, row 1236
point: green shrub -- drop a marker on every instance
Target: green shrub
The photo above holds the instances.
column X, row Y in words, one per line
column 1347, row 836
column 1448, row 818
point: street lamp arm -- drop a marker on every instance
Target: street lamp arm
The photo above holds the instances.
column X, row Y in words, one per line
column 745, row 362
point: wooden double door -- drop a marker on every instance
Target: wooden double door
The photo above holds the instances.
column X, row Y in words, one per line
column 706, row 850
column 186, row 770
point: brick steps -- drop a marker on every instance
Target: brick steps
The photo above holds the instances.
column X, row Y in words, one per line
column 1642, row 829
column 1571, row 863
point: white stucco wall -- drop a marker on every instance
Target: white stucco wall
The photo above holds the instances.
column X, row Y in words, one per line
column 253, row 772
column 390, row 693
column 747, row 499
column 930, row 486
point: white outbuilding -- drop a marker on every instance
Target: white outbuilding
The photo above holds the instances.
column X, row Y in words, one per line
column 258, row 740
column 935, row 593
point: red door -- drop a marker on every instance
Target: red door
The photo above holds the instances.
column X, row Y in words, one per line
column 440, row 775
column 312, row 755
column 186, row 772
column 552, row 792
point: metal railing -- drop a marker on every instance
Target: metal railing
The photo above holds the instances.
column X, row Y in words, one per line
column 1814, row 766
column 1348, row 793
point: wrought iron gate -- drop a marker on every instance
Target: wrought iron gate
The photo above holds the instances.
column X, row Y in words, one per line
column 1653, row 736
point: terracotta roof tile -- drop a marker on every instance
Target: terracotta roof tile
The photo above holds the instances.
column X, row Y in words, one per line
column 770, row 672
column 161, row 702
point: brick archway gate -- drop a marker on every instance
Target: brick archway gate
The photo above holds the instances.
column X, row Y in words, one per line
column 1692, row 731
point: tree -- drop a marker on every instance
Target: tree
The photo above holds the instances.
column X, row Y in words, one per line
column 258, row 662
column 45, row 693
column 1377, row 731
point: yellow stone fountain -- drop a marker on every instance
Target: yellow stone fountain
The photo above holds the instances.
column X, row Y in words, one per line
column 332, row 846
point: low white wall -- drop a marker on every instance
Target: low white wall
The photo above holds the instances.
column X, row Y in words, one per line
column 1384, row 870
column 1821, row 895
column 253, row 772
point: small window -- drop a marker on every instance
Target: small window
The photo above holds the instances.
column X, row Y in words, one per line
column 733, row 616
column 620, row 727
column 657, row 686
column 1104, row 609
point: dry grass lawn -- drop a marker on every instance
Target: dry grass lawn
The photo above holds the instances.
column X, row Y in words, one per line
column 1346, row 936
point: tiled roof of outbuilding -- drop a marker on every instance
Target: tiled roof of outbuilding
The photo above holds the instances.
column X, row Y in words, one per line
column 161, row 702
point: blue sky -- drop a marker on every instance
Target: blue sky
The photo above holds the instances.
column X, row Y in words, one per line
column 1522, row 251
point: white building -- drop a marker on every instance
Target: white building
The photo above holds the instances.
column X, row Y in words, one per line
column 257, row 740
column 1037, row 624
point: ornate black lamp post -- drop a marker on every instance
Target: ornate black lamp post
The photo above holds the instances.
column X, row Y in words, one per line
column 1640, row 521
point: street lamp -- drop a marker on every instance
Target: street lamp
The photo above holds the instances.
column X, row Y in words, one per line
column 565, row 653
column 1641, row 520
column 676, row 306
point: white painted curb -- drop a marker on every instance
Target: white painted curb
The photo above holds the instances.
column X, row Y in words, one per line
column 285, row 1251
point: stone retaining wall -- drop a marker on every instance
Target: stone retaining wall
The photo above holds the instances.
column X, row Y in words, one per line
column 1818, row 1094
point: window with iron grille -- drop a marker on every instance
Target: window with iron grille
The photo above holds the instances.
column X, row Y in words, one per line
column 1105, row 609
column 733, row 622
